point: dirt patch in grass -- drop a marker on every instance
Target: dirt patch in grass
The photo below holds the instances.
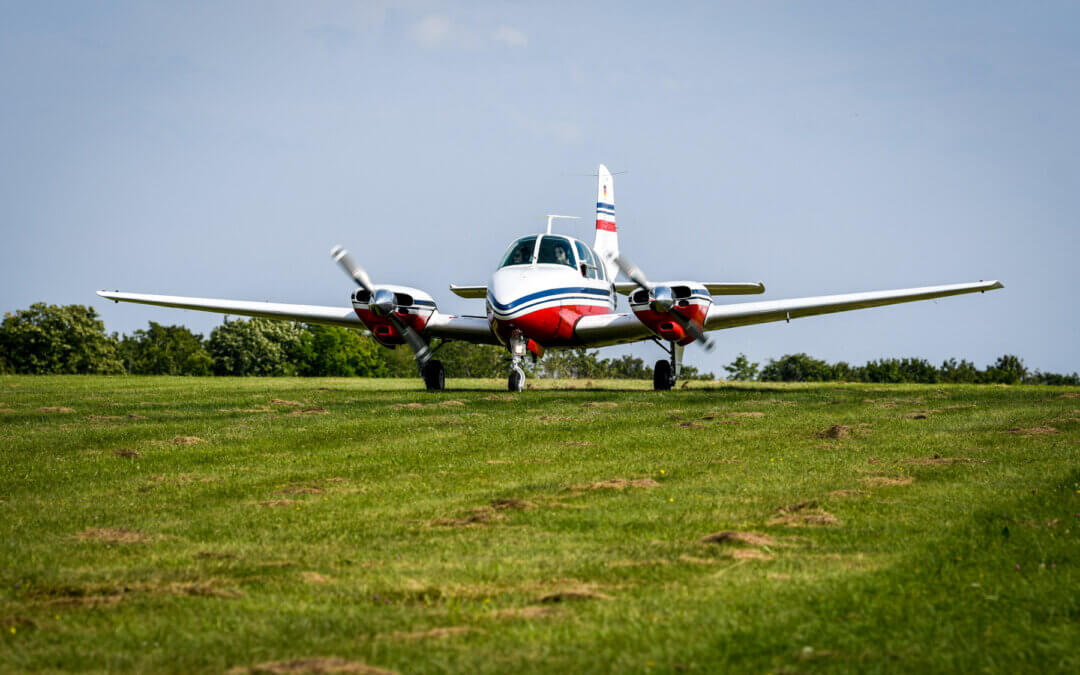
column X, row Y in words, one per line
column 499, row 461
column 127, row 453
column 300, row 490
column 529, row 612
column 752, row 414
column 309, row 411
column 201, row 589
column 434, row 633
column 836, row 431
column 290, row 404
column 451, row 404
column 618, row 484
column 118, row 535
column 637, row 563
column 579, row 443
column 938, row 459
column 1033, row 431
column 500, row 397
column 215, row 555
column 734, row 537
column 554, row 418
column 573, row 594
column 16, row 622
column 888, row 481
column 187, row 440
column 691, row 425
column 311, row 666
column 315, row 578
column 56, row 409
column 600, row 404
column 407, row 406
column 749, row 554
column 484, row 514
column 848, row 493
column 803, row 514
column 278, row 502
column 920, row 414
column 1070, row 395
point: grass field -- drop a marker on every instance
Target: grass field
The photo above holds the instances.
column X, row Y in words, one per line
column 168, row 524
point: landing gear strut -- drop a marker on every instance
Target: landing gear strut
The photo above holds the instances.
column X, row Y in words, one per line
column 665, row 373
column 517, row 351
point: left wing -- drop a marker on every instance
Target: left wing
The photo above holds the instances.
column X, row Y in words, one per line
column 445, row 326
column 610, row 329
column 748, row 313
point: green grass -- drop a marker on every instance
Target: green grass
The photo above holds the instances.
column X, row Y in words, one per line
column 382, row 529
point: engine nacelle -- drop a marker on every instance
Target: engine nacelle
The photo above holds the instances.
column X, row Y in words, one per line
column 689, row 298
column 413, row 306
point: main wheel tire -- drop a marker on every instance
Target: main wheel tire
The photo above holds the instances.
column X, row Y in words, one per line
column 517, row 379
column 434, row 375
column 662, row 379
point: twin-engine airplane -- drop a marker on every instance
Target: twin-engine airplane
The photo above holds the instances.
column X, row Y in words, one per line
column 555, row 291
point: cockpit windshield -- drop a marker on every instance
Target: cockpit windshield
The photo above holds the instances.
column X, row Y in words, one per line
column 520, row 252
column 556, row 250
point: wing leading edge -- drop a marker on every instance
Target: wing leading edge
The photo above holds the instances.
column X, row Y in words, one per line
column 446, row 326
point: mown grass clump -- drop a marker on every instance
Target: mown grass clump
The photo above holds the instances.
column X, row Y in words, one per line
column 293, row 525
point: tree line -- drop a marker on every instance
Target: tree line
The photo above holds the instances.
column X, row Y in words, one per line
column 71, row 339
column 1008, row 369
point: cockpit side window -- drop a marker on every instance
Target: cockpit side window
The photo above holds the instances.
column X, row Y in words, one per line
column 520, row 252
column 556, row 250
column 588, row 261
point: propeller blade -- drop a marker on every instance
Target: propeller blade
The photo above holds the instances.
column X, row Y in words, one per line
column 633, row 272
column 421, row 351
column 692, row 329
column 342, row 257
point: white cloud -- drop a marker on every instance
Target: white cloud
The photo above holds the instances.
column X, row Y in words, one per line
column 510, row 36
column 434, row 31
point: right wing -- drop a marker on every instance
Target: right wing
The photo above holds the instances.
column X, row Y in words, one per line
column 332, row 316
column 446, row 326
column 748, row 313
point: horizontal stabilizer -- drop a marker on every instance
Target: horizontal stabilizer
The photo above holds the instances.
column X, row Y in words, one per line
column 713, row 287
column 469, row 291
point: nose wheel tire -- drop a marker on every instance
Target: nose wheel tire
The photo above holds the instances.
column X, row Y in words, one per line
column 434, row 375
column 517, row 379
column 663, row 377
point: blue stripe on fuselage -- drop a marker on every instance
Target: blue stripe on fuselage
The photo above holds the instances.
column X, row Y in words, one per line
column 540, row 294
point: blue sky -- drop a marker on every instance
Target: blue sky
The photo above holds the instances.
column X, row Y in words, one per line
column 221, row 149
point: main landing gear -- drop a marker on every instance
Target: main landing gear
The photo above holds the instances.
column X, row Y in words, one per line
column 665, row 373
column 434, row 375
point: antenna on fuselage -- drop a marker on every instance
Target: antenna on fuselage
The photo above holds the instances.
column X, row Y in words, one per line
column 552, row 216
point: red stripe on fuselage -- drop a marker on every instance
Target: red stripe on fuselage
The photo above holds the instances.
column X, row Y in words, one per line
column 549, row 327
column 606, row 225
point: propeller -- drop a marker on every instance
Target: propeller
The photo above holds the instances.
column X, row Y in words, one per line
column 663, row 301
column 382, row 303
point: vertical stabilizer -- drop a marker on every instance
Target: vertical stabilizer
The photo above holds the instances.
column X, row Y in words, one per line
column 607, row 238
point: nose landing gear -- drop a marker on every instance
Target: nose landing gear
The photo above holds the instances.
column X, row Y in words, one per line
column 517, row 351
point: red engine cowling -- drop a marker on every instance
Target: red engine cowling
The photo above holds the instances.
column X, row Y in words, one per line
column 413, row 307
column 689, row 298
